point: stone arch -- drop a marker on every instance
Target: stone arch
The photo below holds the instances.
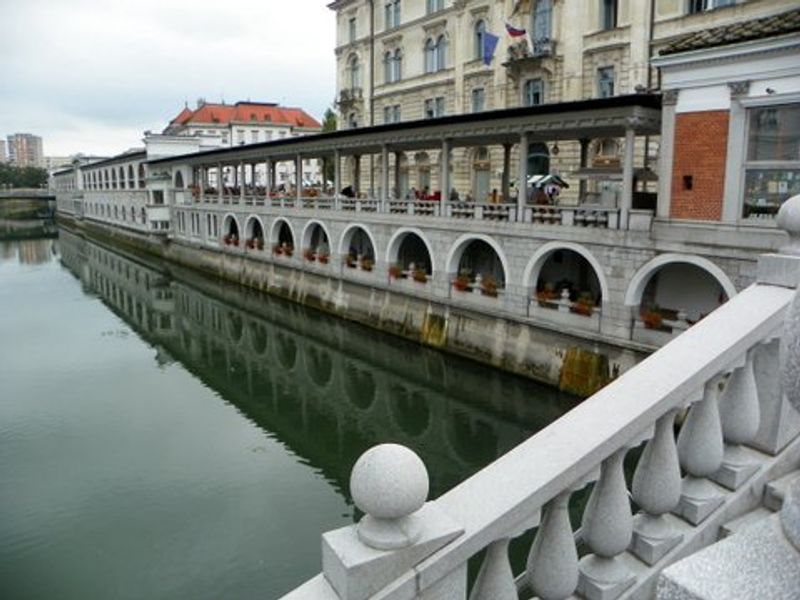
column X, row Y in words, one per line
column 131, row 177
column 254, row 228
column 473, row 441
column 285, row 350
column 319, row 365
column 397, row 241
column 409, row 409
column 359, row 386
column 122, row 185
column 315, row 235
column 235, row 326
column 282, row 232
column 230, row 225
column 539, row 258
column 636, row 290
column 347, row 236
column 258, row 337
column 461, row 244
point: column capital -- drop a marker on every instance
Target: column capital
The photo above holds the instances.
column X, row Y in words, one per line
column 739, row 88
column 669, row 97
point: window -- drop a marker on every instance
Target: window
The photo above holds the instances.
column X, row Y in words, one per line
column 542, row 27
column 352, row 121
column 430, row 56
column 480, row 32
column 254, row 136
column 533, row 92
column 441, row 53
column 158, row 197
column 391, row 114
column 267, row 135
column 434, row 5
column 240, row 136
column 353, row 72
column 392, row 66
column 351, row 30
column 434, row 107
column 392, row 14
column 478, row 100
column 608, row 14
column 698, row 6
column 772, row 163
column 398, row 64
column 605, row 82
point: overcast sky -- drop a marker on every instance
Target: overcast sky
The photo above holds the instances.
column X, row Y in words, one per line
column 91, row 75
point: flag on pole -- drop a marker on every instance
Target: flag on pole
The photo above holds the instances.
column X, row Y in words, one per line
column 489, row 45
column 514, row 32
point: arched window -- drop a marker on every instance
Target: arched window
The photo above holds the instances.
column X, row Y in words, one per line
column 388, row 67
column 430, row 56
column 533, row 92
column 141, row 176
column 480, row 31
column 538, row 159
column 441, row 53
column 398, row 64
column 122, row 185
column 353, row 72
column 131, row 177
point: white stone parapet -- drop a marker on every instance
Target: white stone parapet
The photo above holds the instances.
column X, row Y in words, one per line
column 711, row 363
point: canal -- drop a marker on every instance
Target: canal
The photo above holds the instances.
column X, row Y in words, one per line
column 165, row 435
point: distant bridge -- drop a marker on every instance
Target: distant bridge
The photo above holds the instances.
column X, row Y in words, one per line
column 26, row 193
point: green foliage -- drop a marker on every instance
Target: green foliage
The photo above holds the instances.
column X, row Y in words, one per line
column 328, row 124
column 22, row 177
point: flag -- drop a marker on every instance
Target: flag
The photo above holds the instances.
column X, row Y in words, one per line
column 489, row 44
column 514, row 32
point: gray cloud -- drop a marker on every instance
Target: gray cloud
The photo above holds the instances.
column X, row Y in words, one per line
column 91, row 75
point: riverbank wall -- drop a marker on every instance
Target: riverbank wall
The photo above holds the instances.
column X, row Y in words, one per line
column 572, row 363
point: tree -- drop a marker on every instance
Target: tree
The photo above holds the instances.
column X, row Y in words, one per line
column 328, row 124
column 22, row 177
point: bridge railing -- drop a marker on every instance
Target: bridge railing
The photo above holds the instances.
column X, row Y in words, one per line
column 406, row 548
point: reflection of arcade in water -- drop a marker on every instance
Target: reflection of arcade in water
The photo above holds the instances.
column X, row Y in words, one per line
column 326, row 388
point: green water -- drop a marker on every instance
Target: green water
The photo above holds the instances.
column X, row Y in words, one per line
column 167, row 436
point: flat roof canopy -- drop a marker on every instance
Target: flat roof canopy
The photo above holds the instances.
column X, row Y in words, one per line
column 585, row 119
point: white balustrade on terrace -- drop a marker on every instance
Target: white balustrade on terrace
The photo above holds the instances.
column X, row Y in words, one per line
column 577, row 216
column 405, row 548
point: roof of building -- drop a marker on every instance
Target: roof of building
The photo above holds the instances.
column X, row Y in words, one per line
column 765, row 27
column 246, row 112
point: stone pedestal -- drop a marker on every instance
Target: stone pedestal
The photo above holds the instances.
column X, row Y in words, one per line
column 698, row 500
column 737, row 467
column 653, row 538
column 603, row 578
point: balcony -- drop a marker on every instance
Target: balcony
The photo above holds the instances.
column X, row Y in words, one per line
column 349, row 97
column 522, row 58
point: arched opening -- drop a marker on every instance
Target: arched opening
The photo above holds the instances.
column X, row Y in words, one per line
column 480, row 32
column 319, row 366
column 316, row 244
column 353, row 72
column 482, row 173
column 538, row 159
column 430, row 56
column 284, row 238
column 441, row 52
column 258, row 338
column 474, row 442
column 131, row 177
column 565, row 281
column 286, row 349
column 231, row 229
column 235, row 326
column 358, row 249
column 479, row 268
column 255, row 234
column 143, row 213
column 677, row 295
column 141, row 176
column 410, row 410
column 409, row 256
column 423, row 163
column 359, row 386
column 179, row 180
column 122, row 185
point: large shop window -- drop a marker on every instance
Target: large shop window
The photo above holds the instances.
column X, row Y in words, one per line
column 772, row 163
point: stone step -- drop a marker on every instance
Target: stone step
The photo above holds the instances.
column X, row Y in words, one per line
column 775, row 491
column 744, row 521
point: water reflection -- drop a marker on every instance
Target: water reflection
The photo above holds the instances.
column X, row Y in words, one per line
column 326, row 388
column 29, row 252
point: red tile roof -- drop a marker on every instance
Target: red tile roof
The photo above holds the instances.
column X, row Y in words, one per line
column 247, row 112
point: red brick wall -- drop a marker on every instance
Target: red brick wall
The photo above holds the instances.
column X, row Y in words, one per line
column 701, row 141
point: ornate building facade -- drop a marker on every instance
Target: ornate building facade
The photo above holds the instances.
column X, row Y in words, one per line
column 403, row 60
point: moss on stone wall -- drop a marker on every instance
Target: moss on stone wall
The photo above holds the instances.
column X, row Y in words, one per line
column 583, row 372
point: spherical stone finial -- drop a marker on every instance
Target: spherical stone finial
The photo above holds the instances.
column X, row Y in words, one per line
column 789, row 220
column 389, row 483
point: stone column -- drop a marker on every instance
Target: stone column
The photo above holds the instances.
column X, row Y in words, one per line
column 220, row 181
column 584, row 159
column 398, row 157
column 506, row 172
column 522, row 183
column 268, row 180
column 337, row 175
column 298, row 176
column 357, row 173
column 384, row 176
column 444, row 173
column 627, row 178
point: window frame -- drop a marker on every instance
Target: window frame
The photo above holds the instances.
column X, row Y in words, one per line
column 528, row 83
column 609, row 14
column 478, row 93
column 601, row 80
column 478, row 35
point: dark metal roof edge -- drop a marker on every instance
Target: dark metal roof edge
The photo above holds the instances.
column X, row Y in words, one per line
column 644, row 100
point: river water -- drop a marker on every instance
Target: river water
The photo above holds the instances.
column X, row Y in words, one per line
column 164, row 435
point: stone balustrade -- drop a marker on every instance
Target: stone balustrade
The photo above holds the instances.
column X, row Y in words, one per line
column 406, row 548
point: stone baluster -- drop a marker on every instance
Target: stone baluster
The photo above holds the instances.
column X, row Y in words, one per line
column 607, row 529
column 700, row 450
column 552, row 569
column 740, row 415
column 495, row 580
column 656, row 488
column 790, row 377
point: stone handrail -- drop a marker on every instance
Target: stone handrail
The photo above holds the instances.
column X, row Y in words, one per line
column 531, row 485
